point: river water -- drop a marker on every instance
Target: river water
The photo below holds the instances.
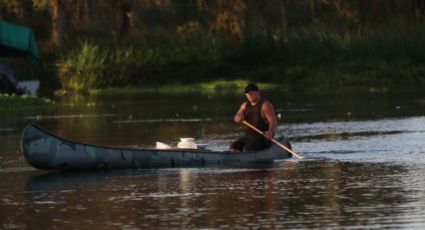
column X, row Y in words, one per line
column 364, row 165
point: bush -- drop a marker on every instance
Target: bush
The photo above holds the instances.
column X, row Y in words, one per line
column 83, row 68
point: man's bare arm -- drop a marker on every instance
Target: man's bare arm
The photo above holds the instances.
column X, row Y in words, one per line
column 270, row 116
column 239, row 116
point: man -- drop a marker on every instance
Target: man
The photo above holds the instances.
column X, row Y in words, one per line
column 260, row 113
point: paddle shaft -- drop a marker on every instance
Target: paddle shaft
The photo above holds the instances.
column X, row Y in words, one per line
column 273, row 140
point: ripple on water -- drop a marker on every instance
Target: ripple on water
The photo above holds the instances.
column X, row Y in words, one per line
column 389, row 140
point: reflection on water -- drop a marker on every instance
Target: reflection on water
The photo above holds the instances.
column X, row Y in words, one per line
column 291, row 194
column 165, row 120
column 364, row 166
column 42, row 117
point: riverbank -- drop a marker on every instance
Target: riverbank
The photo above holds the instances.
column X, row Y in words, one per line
column 213, row 87
column 235, row 87
column 298, row 60
column 14, row 102
column 319, row 44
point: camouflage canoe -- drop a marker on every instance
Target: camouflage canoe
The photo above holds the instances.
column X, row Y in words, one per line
column 47, row 151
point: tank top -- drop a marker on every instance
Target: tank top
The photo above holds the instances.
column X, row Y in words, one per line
column 252, row 114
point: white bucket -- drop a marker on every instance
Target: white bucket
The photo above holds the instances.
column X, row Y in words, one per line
column 160, row 145
column 30, row 87
column 187, row 143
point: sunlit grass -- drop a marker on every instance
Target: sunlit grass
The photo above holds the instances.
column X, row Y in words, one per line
column 221, row 86
column 22, row 102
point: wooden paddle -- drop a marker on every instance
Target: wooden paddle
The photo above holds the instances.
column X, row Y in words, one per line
column 273, row 140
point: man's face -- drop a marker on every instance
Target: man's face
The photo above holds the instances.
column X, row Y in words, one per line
column 253, row 96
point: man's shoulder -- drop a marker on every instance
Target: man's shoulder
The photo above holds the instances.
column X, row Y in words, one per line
column 266, row 103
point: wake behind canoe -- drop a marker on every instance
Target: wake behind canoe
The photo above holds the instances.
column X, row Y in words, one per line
column 44, row 150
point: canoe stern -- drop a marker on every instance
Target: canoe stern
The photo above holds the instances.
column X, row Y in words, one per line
column 39, row 150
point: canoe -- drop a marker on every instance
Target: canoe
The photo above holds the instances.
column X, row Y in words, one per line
column 46, row 151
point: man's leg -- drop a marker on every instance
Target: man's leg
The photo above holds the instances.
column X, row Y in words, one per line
column 256, row 143
column 238, row 145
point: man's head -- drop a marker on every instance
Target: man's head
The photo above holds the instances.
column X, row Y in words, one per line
column 252, row 93
column 251, row 87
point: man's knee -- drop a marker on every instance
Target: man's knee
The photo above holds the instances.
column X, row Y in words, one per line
column 257, row 145
column 236, row 146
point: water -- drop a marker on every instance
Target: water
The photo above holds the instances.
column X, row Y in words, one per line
column 363, row 166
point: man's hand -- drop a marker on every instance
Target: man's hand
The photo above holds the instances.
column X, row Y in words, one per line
column 239, row 118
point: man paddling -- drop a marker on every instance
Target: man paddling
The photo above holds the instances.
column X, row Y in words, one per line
column 260, row 113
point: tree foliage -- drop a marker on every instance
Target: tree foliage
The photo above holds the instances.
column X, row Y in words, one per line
column 148, row 20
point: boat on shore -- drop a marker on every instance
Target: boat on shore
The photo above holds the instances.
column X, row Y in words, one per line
column 47, row 151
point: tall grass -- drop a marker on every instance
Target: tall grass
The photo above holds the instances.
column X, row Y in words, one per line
column 83, row 67
column 308, row 58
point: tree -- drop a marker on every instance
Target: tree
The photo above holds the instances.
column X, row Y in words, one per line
column 57, row 10
column 58, row 22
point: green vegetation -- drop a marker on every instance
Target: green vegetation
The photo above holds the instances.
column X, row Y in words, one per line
column 23, row 102
column 83, row 68
column 297, row 43
column 304, row 59
column 213, row 87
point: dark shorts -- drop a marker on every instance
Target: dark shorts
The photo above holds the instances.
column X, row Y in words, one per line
column 250, row 142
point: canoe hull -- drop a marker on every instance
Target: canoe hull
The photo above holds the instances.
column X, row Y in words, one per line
column 47, row 151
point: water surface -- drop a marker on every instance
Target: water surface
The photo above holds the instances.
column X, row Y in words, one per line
column 363, row 166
